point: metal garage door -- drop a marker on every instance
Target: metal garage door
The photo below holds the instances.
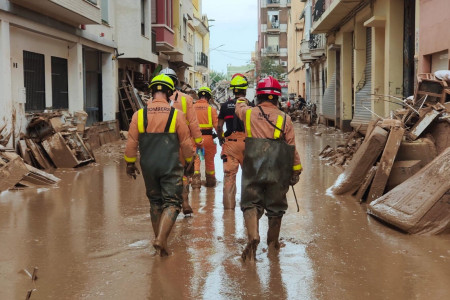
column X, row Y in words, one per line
column 329, row 106
column 363, row 103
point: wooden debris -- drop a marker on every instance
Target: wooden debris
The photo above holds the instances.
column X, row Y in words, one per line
column 12, row 170
column 423, row 123
column 363, row 160
column 366, row 183
column 421, row 203
column 37, row 156
column 401, row 171
column 67, row 150
column 387, row 160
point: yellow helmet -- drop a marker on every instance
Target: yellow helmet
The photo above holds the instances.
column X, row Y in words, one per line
column 238, row 82
column 162, row 83
column 205, row 92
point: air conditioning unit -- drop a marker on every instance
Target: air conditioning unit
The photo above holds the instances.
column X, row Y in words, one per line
column 284, row 63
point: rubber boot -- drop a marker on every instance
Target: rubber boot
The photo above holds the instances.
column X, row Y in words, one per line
column 210, row 180
column 196, row 181
column 251, row 223
column 229, row 193
column 168, row 218
column 187, row 209
column 155, row 216
column 273, row 232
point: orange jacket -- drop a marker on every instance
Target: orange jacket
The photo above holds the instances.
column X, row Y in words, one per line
column 257, row 126
column 158, row 114
column 184, row 103
column 206, row 115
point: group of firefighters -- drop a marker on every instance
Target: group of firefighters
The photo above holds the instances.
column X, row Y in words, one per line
column 172, row 133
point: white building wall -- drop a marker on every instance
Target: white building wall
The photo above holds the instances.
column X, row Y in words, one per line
column 6, row 104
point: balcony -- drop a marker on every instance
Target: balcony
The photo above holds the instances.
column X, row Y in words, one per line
column 273, row 26
column 201, row 62
column 271, row 51
column 164, row 38
column 327, row 17
column 305, row 53
column 273, row 3
column 317, row 44
column 74, row 12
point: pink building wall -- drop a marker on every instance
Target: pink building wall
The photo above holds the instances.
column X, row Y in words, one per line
column 434, row 27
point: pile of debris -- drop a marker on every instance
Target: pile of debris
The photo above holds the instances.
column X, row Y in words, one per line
column 53, row 140
column 342, row 154
column 398, row 156
column 130, row 101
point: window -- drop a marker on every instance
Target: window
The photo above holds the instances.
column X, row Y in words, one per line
column 60, row 85
column 104, row 7
column 184, row 28
column 273, row 43
column 169, row 13
column 143, row 17
column 34, row 80
column 273, row 19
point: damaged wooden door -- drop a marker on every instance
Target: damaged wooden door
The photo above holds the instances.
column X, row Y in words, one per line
column 60, row 86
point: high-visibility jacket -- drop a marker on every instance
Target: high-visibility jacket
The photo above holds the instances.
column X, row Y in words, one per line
column 206, row 115
column 257, row 126
column 184, row 103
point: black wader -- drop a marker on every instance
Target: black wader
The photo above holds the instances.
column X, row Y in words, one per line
column 161, row 167
column 266, row 173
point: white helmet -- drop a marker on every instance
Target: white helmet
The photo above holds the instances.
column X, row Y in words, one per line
column 171, row 73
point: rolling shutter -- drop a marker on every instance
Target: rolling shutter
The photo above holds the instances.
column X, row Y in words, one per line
column 329, row 99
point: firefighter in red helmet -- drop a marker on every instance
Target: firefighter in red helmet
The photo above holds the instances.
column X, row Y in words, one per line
column 271, row 164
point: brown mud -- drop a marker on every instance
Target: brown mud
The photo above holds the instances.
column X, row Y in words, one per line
column 91, row 236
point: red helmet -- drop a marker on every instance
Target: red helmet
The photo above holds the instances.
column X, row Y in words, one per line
column 268, row 86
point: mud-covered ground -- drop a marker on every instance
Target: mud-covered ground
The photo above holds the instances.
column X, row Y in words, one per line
column 90, row 236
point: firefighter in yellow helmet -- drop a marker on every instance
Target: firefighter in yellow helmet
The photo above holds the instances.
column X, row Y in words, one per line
column 207, row 119
column 160, row 131
column 232, row 140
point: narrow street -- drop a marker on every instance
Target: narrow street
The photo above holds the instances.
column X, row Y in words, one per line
column 90, row 236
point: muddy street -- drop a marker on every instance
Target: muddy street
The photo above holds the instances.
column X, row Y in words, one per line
column 90, row 236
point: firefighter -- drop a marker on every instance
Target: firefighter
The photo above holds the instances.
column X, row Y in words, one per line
column 160, row 131
column 207, row 118
column 271, row 164
column 232, row 141
column 184, row 103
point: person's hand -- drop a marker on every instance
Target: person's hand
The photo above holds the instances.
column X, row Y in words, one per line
column 295, row 177
column 132, row 171
column 189, row 168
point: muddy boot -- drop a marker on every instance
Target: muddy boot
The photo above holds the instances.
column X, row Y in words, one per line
column 187, row 209
column 210, row 180
column 196, row 181
column 155, row 216
column 274, row 232
column 251, row 223
column 229, row 194
column 168, row 218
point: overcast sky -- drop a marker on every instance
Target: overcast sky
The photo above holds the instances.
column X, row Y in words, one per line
column 236, row 27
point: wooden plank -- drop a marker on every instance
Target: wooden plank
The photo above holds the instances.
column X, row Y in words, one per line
column 13, row 169
column 363, row 160
column 23, row 150
column 37, row 154
column 371, row 127
column 59, row 152
column 422, row 124
column 387, row 160
column 365, row 185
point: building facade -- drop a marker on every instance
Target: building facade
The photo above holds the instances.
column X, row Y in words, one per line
column 295, row 33
column 273, row 18
column 73, row 55
column 357, row 52
column 55, row 54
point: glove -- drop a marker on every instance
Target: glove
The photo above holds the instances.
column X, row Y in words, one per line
column 132, row 171
column 295, row 177
column 221, row 141
column 189, row 168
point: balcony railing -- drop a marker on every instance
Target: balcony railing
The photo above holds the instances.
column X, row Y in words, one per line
column 319, row 9
column 273, row 1
column 305, row 54
column 274, row 25
column 202, row 59
column 272, row 50
column 317, row 41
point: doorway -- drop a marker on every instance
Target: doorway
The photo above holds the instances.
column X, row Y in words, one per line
column 60, row 86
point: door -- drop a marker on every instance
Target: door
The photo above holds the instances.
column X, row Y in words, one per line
column 92, row 85
column 34, row 80
column 338, row 89
column 60, row 85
